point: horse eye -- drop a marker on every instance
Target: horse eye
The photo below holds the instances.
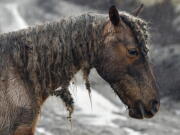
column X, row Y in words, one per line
column 133, row 52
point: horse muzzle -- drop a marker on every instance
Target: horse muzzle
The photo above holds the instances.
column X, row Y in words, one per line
column 139, row 111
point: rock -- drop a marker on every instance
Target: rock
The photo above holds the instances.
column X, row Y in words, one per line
column 167, row 67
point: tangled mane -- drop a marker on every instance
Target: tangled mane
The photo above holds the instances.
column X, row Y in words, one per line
column 47, row 56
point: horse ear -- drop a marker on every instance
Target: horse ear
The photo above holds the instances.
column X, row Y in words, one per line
column 114, row 15
column 137, row 11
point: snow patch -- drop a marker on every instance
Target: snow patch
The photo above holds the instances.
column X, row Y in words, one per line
column 16, row 22
column 133, row 132
column 43, row 131
column 101, row 113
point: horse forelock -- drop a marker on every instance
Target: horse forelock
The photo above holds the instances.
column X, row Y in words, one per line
column 140, row 29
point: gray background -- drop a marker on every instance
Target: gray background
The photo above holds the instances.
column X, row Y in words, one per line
column 108, row 115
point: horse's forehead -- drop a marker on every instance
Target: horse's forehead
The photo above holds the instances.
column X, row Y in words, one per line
column 136, row 31
column 120, row 34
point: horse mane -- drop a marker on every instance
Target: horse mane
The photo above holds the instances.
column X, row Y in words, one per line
column 47, row 56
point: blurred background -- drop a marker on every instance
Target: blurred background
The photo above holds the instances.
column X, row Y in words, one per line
column 108, row 116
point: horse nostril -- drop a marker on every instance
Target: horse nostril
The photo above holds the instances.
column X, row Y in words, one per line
column 154, row 106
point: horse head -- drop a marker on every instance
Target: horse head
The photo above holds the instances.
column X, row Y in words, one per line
column 124, row 63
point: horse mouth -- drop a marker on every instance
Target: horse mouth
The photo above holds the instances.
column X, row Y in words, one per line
column 139, row 112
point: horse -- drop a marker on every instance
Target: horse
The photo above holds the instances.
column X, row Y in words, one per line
column 40, row 61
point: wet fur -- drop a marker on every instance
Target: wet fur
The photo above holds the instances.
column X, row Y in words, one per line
column 38, row 60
